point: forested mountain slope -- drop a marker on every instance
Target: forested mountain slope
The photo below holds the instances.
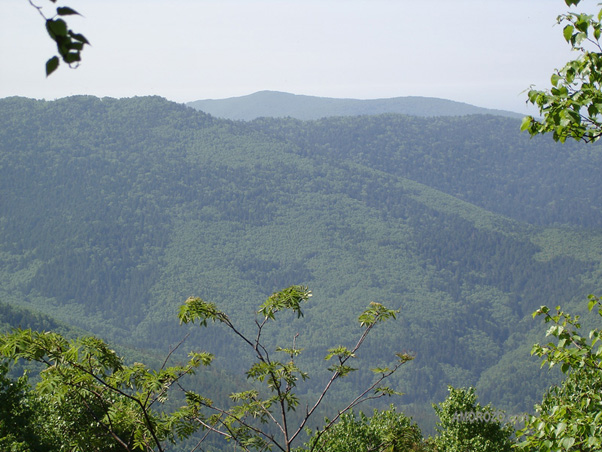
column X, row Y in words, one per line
column 480, row 159
column 113, row 212
column 276, row 104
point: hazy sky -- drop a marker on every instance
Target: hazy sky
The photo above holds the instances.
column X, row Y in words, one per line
column 484, row 52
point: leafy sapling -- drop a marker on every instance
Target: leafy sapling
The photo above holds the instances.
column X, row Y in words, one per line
column 260, row 422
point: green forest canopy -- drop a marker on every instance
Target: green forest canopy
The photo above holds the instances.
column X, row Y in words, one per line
column 115, row 211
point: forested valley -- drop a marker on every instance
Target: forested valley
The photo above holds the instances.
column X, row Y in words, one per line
column 114, row 212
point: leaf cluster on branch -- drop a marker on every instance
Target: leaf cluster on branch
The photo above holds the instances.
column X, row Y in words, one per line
column 69, row 44
column 572, row 107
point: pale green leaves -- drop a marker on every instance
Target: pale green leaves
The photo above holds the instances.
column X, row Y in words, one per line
column 276, row 374
column 568, row 32
column 86, row 376
column 339, row 352
column 572, row 350
column 200, row 358
column 289, row 298
column 195, row 309
column 341, row 370
column 570, row 416
column 243, row 421
column 404, row 357
column 385, row 431
column 571, row 107
column 459, row 434
column 594, row 301
column 381, row 391
column 526, row 123
column 376, row 313
column 293, row 352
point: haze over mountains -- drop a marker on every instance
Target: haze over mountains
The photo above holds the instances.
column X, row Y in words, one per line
column 276, row 104
column 113, row 212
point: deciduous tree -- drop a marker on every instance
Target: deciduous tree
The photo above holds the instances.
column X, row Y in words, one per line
column 384, row 431
column 20, row 430
column 262, row 420
column 465, row 425
column 92, row 401
column 570, row 415
column 572, row 107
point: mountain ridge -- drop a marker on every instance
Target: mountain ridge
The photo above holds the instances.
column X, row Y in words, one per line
column 280, row 104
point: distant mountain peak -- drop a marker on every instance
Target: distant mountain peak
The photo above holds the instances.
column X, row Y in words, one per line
column 278, row 104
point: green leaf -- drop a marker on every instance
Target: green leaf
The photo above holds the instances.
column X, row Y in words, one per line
column 567, row 443
column 342, row 370
column 77, row 46
column 71, row 57
column 404, row 357
column 290, row 351
column 385, row 390
column 583, row 23
column 374, row 313
column 341, row 352
column 200, row 358
column 66, row 11
column 533, row 95
column 51, row 65
column 579, row 38
column 560, row 428
column 591, row 303
column 193, row 398
column 568, row 32
column 197, row 309
column 79, row 37
column 526, row 123
column 289, row 298
column 56, row 27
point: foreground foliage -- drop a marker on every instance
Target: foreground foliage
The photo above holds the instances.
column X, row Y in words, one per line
column 465, row 425
column 570, row 415
column 19, row 413
column 384, row 431
column 245, row 421
column 572, row 107
column 69, row 44
column 91, row 400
